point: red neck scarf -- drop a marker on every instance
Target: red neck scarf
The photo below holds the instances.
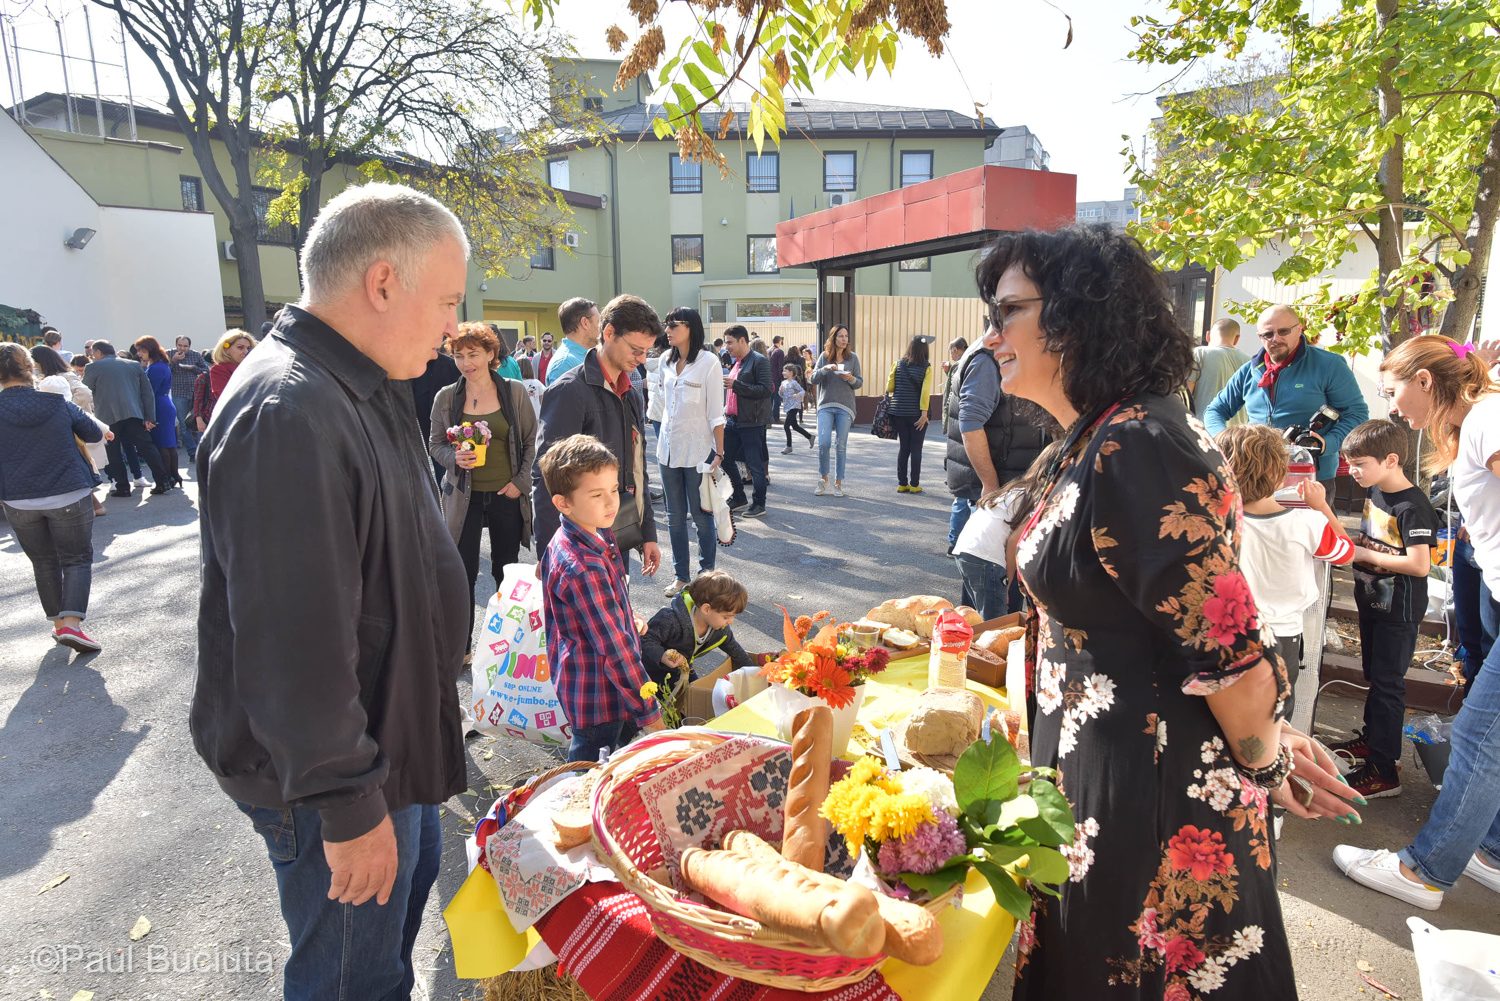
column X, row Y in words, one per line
column 218, row 376
column 1274, row 369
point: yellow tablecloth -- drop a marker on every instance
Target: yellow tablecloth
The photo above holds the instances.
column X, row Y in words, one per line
column 974, row 935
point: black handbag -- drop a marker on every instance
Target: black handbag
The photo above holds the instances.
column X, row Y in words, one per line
column 882, row 426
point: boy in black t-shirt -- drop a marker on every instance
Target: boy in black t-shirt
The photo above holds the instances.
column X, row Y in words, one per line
column 1391, row 560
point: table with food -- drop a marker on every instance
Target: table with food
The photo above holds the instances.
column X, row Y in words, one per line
column 866, row 825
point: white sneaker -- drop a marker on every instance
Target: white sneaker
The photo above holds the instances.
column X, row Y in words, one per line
column 672, row 588
column 140, row 481
column 838, row 489
column 822, row 488
column 1381, row 870
column 1482, row 874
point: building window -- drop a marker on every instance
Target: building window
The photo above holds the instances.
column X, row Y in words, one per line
column 762, row 171
column 763, row 256
column 916, row 166
column 717, row 311
column 192, row 193
column 594, row 104
column 557, row 174
column 545, row 259
column 687, row 176
column 687, row 255
column 915, row 264
column 809, row 311
column 763, row 311
column 283, row 235
column 838, row 171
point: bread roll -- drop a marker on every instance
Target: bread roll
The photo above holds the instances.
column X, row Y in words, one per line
column 901, row 639
column 945, row 721
column 912, row 935
column 902, row 612
column 804, row 835
column 971, row 615
column 573, row 820
column 925, row 620
column 790, row 899
column 998, row 641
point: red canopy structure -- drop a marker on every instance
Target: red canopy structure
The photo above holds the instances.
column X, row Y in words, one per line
column 945, row 215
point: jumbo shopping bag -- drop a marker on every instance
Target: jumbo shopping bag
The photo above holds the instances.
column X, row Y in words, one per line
column 514, row 692
column 1455, row 965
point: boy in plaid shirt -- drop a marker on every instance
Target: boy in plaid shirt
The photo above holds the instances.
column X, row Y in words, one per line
column 591, row 639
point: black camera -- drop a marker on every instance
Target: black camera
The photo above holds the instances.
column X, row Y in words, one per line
column 1296, row 434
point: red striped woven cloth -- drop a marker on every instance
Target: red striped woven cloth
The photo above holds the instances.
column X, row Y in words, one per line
column 603, row 939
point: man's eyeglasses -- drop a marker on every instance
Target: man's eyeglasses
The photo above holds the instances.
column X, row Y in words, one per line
column 1006, row 310
column 1270, row 335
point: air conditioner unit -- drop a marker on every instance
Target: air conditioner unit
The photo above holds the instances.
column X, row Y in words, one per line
column 570, row 239
column 836, row 199
column 228, row 247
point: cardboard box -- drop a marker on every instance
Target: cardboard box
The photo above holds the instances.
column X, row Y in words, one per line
column 697, row 703
column 986, row 672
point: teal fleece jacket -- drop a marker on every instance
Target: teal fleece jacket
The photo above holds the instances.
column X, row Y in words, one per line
column 1315, row 377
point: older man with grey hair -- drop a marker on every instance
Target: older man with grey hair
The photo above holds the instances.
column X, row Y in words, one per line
column 331, row 624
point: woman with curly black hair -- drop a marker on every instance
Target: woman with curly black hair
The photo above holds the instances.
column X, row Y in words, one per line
column 1155, row 698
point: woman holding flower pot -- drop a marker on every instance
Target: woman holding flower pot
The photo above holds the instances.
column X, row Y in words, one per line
column 1157, row 697
column 485, row 487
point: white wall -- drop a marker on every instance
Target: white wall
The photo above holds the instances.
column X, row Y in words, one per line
column 145, row 271
column 170, row 291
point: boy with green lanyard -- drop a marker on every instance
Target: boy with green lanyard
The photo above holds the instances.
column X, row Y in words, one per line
column 696, row 622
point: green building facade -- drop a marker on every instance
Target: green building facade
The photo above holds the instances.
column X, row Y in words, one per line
column 644, row 221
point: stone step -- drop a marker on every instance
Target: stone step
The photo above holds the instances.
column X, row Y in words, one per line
column 1426, row 690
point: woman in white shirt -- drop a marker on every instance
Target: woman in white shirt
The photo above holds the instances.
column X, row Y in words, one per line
column 56, row 376
column 1444, row 388
column 690, row 440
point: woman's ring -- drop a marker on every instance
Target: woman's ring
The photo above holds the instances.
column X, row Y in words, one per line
column 1302, row 792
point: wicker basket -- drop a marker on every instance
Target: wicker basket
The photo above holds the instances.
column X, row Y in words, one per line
column 732, row 944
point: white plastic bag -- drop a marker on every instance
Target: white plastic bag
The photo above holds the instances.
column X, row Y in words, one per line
column 737, row 686
column 1455, row 965
column 713, row 497
column 513, row 688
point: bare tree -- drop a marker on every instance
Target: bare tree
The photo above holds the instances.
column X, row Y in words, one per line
column 449, row 95
column 207, row 53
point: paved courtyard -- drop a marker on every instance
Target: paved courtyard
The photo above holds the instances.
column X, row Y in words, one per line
column 108, row 816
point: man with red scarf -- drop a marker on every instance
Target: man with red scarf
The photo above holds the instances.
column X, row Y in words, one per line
column 1285, row 384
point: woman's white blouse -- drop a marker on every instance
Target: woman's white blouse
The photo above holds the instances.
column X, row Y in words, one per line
column 694, row 402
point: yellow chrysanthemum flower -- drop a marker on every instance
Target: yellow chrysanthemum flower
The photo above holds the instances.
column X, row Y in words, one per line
column 648, row 690
column 899, row 815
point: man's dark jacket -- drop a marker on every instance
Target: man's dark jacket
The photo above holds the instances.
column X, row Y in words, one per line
column 1014, row 440
column 754, row 390
column 331, row 624
column 579, row 402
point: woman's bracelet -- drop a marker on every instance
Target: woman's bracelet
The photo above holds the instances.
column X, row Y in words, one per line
column 1269, row 776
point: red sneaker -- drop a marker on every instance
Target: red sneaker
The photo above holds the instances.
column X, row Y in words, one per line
column 77, row 639
column 1371, row 784
column 1353, row 751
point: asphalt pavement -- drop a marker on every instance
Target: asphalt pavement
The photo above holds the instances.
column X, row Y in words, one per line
column 108, row 816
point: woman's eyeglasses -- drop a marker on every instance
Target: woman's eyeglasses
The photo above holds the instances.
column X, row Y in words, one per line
column 1006, row 310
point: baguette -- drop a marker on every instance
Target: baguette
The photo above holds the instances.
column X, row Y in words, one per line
column 911, row 934
column 804, row 834
column 790, row 899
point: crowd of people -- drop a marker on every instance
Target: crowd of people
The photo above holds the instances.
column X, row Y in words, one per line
column 1166, row 578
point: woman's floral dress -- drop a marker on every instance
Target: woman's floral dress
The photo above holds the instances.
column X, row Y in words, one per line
column 1132, row 561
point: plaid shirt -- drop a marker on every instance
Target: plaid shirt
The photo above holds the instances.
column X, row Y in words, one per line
column 591, row 640
column 185, row 373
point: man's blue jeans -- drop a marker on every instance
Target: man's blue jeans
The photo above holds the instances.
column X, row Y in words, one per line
column 680, row 485
column 984, row 583
column 1475, row 608
column 1466, row 815
column 187, row 425
column 341, row 952
column 833, row 432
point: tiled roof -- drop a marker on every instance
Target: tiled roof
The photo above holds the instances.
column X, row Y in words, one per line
column 819, row 118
